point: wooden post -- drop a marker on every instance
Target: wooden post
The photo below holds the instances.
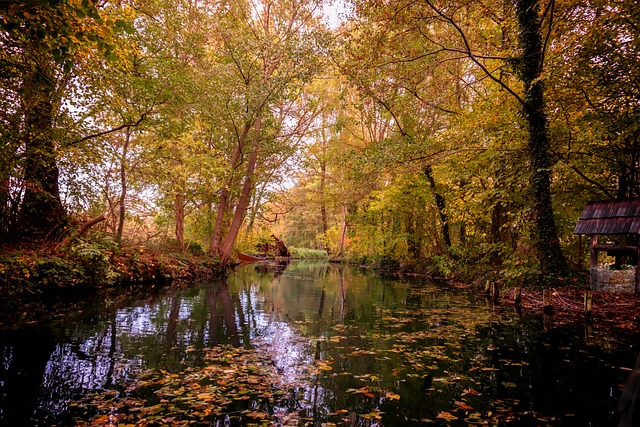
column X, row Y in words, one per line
column 588, row 332
column 546, row 301
column 593, row 254
column 579, row 252
column 518, row 298
column 495, row 292
column 635, row 291
column 593, row 260
column 588, row 304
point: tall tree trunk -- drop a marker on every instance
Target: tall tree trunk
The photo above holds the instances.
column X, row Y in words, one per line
column 462, row 233
column 498, row 220
column 323, row 181
column 245, row 195
column 552, row 261
column 257, row 200
column 441, row 205
column 223, row 202
column 123, row 184
column 7, row 210
column 41, row 214
column 343, row 238
column 323, row 206
column 178, row 205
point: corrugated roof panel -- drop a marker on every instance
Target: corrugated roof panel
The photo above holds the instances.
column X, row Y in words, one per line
column 610, row 217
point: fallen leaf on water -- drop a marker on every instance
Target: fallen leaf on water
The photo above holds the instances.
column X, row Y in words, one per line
column 447, row 416
column 463, row 405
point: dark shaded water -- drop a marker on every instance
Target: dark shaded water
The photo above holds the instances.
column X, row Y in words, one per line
column 379, row 351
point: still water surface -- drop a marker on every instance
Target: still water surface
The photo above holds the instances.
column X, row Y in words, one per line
column 382, row 351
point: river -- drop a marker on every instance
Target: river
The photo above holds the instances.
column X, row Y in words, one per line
column 355, row 348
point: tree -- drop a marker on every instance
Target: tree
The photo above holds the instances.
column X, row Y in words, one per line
column 476, row 36
column 43, row 42
column 262, row 46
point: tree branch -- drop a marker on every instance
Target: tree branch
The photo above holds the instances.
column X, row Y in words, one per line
column 470, row 54
column 143, row 116
column 549, row 9
column 80, row 231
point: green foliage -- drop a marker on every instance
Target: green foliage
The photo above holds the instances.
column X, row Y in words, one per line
column 95, row 258
column 305, row 253
column 152, row 113
column 33, row 274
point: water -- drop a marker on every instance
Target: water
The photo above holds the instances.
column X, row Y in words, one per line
column 353, row 348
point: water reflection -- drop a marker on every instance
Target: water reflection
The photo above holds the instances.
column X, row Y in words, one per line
column 354, row 347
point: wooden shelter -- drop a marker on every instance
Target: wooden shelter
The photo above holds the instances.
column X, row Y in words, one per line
column 611, row 217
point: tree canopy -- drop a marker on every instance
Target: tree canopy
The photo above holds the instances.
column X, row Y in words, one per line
column 433, row 131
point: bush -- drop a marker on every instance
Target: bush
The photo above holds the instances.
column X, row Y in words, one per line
column 95, row 259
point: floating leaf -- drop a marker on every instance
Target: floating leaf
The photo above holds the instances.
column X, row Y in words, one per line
column 463, row 405
column 446, row 416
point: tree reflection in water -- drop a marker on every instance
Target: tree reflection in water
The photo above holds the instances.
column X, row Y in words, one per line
column 349, row 347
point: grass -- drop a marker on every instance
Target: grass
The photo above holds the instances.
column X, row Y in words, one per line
column 304, row 253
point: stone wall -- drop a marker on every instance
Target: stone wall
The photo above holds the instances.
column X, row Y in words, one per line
column 605, row 280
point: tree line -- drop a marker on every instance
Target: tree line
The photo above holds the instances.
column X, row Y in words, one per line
column 409, row 130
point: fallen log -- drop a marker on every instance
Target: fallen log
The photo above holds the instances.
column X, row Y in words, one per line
column 80, row 231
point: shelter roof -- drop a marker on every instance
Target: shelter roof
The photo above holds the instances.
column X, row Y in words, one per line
column 610, row 217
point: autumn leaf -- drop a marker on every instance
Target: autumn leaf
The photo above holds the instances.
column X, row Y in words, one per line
column 463, row 405
column 392, row 396
column 446, row 416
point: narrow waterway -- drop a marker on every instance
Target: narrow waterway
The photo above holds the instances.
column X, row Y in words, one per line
column 355, row 348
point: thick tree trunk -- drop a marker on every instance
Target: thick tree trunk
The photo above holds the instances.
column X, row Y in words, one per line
column 552, row 261
column 41, row 213
column 323, row 205
column 441, row 205
column 245, row 196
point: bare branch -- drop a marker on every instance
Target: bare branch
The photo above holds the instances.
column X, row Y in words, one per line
column 470, row 54
column 143, row 116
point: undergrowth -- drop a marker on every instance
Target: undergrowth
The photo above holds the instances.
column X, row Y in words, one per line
column 95, row 264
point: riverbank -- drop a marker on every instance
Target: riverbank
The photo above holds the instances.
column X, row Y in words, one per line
column 610, row 310
column 29, row 273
